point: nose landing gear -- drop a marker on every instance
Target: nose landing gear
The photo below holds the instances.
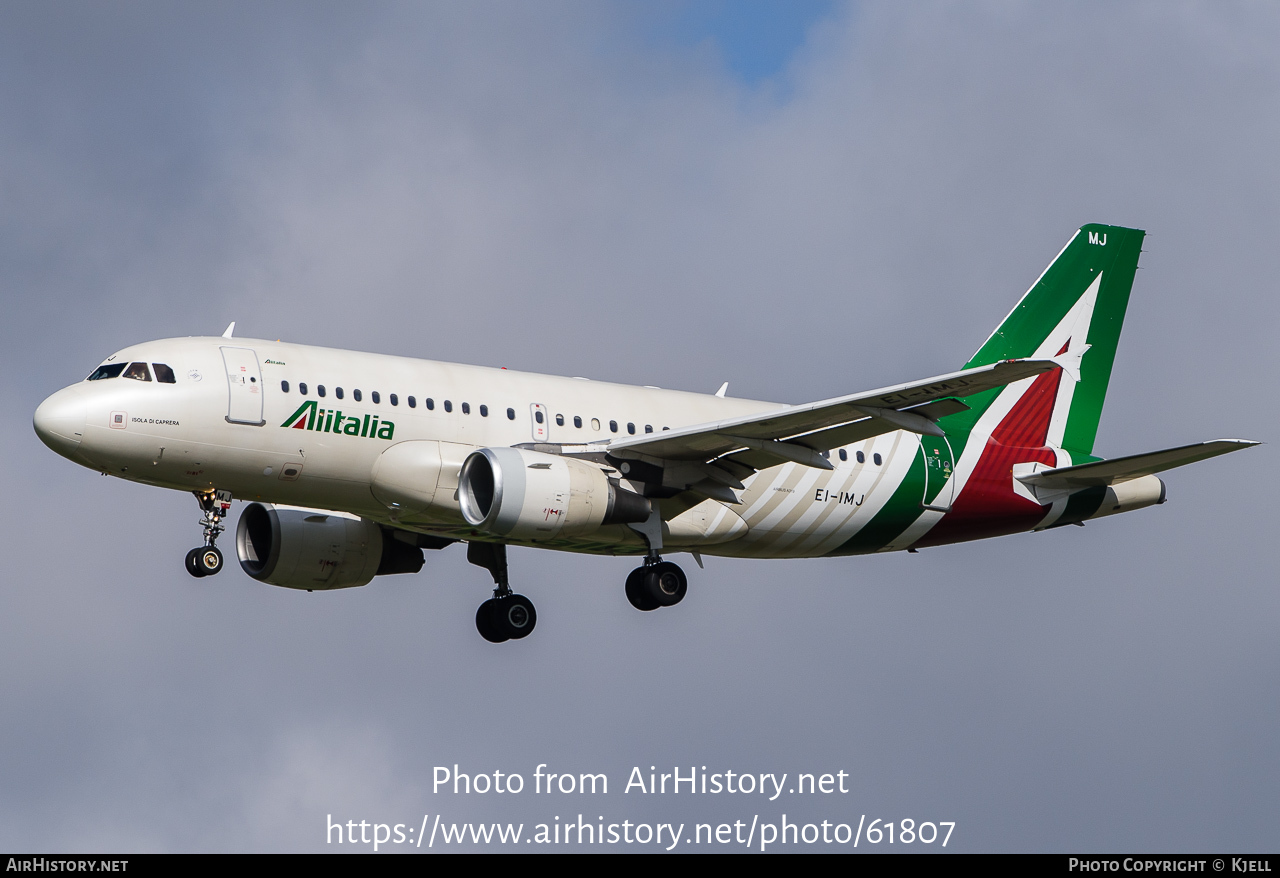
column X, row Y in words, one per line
column 506, row 615
column 207, row 560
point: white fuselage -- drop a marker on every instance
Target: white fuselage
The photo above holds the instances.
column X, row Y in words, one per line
column 182, row 435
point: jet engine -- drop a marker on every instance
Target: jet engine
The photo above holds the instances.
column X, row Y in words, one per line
column 528, row 495
column 312, row 549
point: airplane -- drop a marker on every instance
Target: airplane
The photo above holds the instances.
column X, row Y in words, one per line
column 352, row 464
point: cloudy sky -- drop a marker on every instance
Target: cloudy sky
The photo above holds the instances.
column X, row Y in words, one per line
column 676, row 194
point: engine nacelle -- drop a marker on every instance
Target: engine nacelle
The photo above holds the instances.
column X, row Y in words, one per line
column 528, row 495
column 420, row 475
column 311, row 549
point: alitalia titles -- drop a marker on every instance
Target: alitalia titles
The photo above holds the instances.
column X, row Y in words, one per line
column 310, row 416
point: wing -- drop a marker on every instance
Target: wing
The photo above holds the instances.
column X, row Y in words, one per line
column 711, row 458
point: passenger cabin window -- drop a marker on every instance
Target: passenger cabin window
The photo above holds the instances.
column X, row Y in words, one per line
column 376, row 397
column 395, row 400
column 631, row 428
column 876, row 458
column 320, row 390
column 559, row 420
column 844, row 455
column 466, row 408
column 613, row 426
column 511, row 414
column 429, row 403
column 164, row 374
column 577, row 422
column 537, row 416
column 112, row 371
column 355, row 394
column 595, row 423
column 302, row 388
column 284, row 386
column 862, row 458
column 413, row 403
column 448, row 405
column 648, row 428
column 138, row 371
column 484, row 411
column 337, row 391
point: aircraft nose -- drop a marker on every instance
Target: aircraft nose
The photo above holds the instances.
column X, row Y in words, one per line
column 60, row 419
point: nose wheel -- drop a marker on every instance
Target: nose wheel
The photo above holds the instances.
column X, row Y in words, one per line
column 204, row 562
column 207, row 559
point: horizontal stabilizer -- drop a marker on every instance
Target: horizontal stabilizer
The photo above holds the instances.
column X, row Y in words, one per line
column 1104, row 473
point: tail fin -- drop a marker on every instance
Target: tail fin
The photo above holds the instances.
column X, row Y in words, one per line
column 1074, row 312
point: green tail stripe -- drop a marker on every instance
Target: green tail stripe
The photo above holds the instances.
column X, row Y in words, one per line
column 1109, row 250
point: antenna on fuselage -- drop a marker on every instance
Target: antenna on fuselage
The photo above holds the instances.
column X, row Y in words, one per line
column 231, row 327
column 723, row 387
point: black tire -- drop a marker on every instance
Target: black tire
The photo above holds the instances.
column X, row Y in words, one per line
column 666, row 584
column 193, row 563
column 486, row 622
column 515, row 616
column 209, row 560
column 636, row 593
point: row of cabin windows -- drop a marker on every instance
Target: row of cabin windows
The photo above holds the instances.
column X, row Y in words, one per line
column 136, row 371
column 466, row 408
column 392, row 398
column 862, row 458
column 595, row 424
column 447, row 405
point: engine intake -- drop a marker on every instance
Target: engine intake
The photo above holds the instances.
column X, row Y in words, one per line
column 528, row 495
column 298, row 548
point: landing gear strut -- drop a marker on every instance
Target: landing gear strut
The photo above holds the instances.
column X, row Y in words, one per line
column 505, row 616
column 207, row 560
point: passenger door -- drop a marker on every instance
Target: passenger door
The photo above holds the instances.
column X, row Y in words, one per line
column 244, row 386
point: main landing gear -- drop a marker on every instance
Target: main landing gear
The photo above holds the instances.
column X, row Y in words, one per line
column 207, row 560
column 655, row 584
column 505, row 616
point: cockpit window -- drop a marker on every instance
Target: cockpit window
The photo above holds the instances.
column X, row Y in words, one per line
column 164, row 374
column 111, row 370
column 138, row 371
